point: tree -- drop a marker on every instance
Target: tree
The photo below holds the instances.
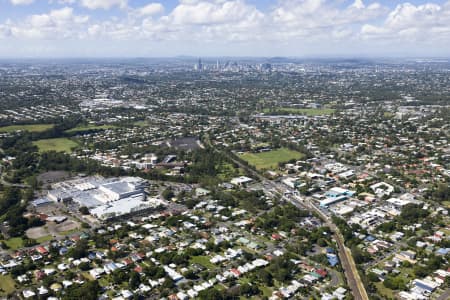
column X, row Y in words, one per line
column 321, row 242
column 84, row 210
column 88, row 291
column 447, row 281
column 248, row 290
column 27, row 242
column 359, row 255
column 281, row 268
column 153, row 271
column 442, row 192
column 420, row 271
column 191, row 275
column 265, row 277
column 10, row 197
column 80, row 249
column 168, row 194
column 135, row 280
column 84, row 266
column 210, row 294
column 394, row 283
column 387, row 226
column 168, row 283
column 373, row 277
column 119, row 276
column 412, row 213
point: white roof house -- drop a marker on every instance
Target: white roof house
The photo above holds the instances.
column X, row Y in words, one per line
column 242, row 180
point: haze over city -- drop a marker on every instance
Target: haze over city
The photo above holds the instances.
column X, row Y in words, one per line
column 300, row 28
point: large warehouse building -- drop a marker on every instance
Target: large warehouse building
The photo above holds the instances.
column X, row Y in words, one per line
column 105, row 198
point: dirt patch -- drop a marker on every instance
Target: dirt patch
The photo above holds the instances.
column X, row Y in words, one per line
column 37, row 232
column 67, row 226
column 53, row 176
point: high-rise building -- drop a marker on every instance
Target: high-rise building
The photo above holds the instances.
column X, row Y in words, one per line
column 199, row 65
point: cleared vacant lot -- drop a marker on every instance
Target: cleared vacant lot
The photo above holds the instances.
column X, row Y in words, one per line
column 270, row 159
column 30, row 128
column 58, row 145
column 47, row 232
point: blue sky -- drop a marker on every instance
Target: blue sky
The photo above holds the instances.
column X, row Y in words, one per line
column 8, row 10
column 129, row 28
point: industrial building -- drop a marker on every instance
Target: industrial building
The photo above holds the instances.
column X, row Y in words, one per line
column 336, row 195
column 105, row 198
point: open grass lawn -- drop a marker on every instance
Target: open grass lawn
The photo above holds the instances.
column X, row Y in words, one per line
column 14, row 243
column 303, row 111
column 384, row 292
column 267, row 291
column 6, row 285
column 30, row 128
column 204, row 261
column 44, row 239
column 89, row 127
column 103, row 281
column 407, row 273
column 58, row 145
column 445, row 231
column 270, row 159
column 88, row 276
column 141, row 123
column 227, row 171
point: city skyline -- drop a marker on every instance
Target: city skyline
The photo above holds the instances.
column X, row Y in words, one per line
column 293, row 28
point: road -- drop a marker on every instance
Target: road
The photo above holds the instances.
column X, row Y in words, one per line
column 6, row 183
column 445, row 295
column 345, row 256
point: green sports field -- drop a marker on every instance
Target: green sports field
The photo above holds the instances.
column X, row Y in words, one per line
column 58, row 145
column 141, row 123
column 270, row 159
column 30, row 128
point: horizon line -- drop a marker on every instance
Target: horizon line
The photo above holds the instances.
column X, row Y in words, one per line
column 227, row 56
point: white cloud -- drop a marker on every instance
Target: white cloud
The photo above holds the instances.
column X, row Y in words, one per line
column 21, row 2
column 67, row 1
column 358, row 4
column 324, row 20
column 407, row 15
column 191, row 12
column 57, row 24
column 408, row 22
column 150, row 9
column 104, row 4
column 5, row 31
column 232, row 25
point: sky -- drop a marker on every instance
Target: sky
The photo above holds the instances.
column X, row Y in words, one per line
column 211, row 28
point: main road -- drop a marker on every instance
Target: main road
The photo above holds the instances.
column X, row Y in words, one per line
column 347, row 261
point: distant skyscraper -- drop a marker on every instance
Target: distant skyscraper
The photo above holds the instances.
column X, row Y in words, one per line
column 266, row 67
column 199, row 66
